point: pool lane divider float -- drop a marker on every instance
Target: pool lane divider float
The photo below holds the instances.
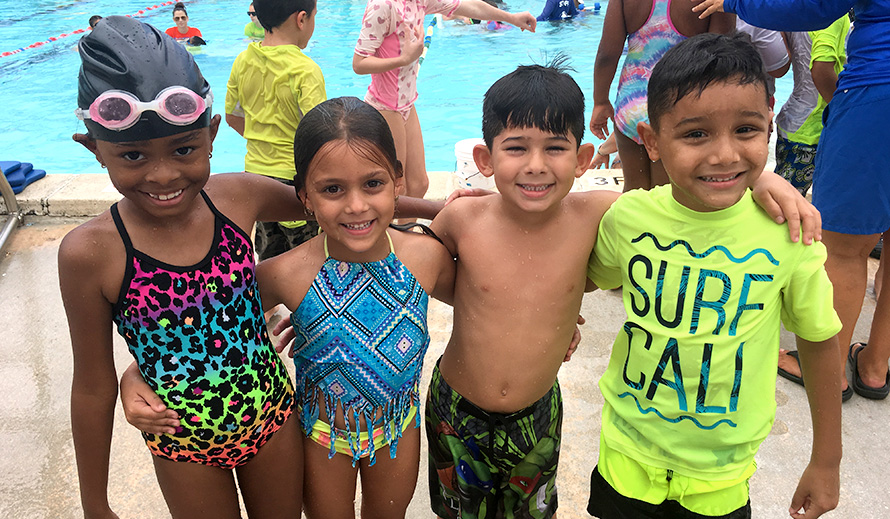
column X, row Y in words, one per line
column 428, row 39
column 78, row 31
column 20, row 174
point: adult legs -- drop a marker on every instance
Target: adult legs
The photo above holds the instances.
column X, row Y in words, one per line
column 272, row 482
column 873, row 359
column 639, row 170
column 328, row 484
column 847, row 268
column 389, row 485
column 195, row 490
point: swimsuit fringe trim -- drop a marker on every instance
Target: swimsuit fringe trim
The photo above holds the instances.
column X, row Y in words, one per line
column 393, row 417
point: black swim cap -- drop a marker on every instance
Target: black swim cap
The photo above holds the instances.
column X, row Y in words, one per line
column 124, row 54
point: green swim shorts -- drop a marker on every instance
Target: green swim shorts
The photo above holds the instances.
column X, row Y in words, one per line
column 484, row 465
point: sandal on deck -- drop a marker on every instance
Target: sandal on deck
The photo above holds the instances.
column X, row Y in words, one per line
column 873, row 393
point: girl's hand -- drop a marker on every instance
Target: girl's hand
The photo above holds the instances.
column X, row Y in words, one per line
column 143, row 408
column 599, row 119
column 707, row 7
column 599, row 160
column 286, row 335
column 524, row 21
column 473, row 191
column 413, row 45
column 783, row 202
column 576, row 339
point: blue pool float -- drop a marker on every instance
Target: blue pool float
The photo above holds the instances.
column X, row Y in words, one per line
column 20, row 174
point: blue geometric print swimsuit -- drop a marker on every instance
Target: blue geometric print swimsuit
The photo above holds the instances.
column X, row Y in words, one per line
column 361, row 338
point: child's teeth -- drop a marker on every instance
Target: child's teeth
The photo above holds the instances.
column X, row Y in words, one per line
column 358, row 227
column 166, row 197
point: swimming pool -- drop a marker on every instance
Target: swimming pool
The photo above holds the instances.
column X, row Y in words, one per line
column 39, row 86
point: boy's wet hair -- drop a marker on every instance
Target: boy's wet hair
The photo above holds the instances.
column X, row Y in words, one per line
column 272, row 13
column 534, row 96
column 694, row 64
column 347, row 119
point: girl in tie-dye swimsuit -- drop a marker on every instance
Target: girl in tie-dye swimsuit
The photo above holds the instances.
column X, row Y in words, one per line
column 359, row 296
column 175, row 272
column 650, row 27
column 388, row 48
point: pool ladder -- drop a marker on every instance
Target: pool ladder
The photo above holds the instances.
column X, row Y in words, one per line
column 14, row 216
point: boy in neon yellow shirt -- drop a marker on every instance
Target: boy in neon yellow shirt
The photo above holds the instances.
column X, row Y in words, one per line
column 707, row 279
column 271, row 86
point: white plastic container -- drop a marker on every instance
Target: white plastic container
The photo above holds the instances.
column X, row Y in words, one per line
column 465, row 169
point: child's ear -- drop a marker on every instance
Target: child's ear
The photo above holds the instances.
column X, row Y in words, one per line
column 89, row 143
column 301, row 195
column 482, row 158
column 214, row 129
column 585, row 155
column 648, row 135
column 302, row 16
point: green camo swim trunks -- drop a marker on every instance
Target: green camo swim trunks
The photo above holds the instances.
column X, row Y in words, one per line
column 484, row 465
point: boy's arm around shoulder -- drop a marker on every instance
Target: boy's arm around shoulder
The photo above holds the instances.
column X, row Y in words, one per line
column 83, row 279
column 819, row 487
column 596, row 204
column 783, row 203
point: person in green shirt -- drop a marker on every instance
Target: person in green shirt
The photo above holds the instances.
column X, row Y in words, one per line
column 272, row 84
column 254, row 30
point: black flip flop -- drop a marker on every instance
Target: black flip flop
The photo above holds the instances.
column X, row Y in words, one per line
column 791, row 376
column 873, row 393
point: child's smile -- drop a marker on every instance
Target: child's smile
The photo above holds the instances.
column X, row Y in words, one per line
column 353, row 198
column 714, row 145
column 532, row 166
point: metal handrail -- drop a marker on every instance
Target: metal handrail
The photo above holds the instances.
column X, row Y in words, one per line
column 14, row 219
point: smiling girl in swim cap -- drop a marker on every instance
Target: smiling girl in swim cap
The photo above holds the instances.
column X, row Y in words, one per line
column 171, row 265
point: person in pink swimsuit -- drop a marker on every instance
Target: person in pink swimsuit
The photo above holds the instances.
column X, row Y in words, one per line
column 650, row 27
column 388, row 48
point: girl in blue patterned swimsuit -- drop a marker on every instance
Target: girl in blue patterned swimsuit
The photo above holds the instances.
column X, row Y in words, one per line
column 359, row 295
column 172, row 266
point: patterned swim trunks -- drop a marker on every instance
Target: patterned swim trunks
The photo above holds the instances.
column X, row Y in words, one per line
column 796, row 163
column 484, row 465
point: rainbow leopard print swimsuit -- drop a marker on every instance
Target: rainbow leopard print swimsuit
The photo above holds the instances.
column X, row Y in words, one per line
column 200, row 340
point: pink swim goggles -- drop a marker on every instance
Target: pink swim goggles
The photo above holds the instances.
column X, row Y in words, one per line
column 119, row 110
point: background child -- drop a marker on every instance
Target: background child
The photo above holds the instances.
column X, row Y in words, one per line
column 272, row 85
column 359, row 298
column 650, row 27
column 253, row 30
column 818, row 58
column 389, row 45
column 172, row 266
column 689, row 387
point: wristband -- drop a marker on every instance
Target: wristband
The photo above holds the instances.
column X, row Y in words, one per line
column 598, row 152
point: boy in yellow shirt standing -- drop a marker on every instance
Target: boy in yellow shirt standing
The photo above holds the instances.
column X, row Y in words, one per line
column 707, row 278
column 272, row 84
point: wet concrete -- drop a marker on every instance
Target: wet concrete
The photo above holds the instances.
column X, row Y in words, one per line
column 38, row 477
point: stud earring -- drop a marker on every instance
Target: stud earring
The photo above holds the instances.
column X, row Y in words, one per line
column 102, row 164
column 210, row 155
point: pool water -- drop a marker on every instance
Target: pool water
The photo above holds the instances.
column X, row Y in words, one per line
column 39, row 86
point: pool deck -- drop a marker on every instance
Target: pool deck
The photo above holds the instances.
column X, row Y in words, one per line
column 37, row 457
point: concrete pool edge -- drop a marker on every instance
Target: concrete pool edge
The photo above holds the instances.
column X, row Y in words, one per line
column 70, row 195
